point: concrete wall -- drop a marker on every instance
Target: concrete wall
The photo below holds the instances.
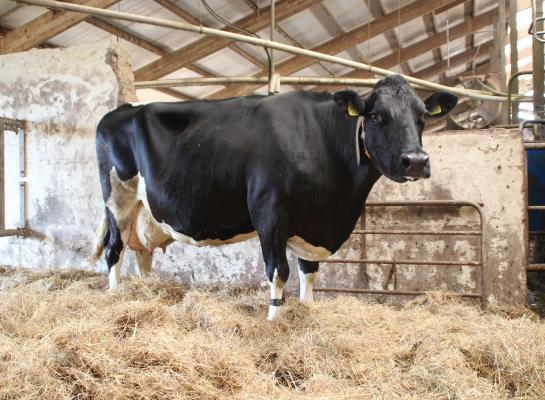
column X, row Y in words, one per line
column 484, row 166
column 63, row 93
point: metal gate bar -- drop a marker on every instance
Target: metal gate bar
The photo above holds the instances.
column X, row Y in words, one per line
column 18, row 126
column 422, row 203
column 535, row 145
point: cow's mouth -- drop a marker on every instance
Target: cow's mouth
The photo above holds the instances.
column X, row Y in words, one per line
column 410, row 178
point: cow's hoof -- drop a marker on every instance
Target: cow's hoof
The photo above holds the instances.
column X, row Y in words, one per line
column 275, row 312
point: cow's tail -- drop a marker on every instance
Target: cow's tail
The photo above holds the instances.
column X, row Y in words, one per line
column 98, row 242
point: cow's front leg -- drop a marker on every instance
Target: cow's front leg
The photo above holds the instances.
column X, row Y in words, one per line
column 273, row 246
column 307, row 274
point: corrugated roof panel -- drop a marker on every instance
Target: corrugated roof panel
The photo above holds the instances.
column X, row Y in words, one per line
column 80, row 34
column 422, row 61
column 306, row 29
column 312, row 70
column 484, row 35
column 349, row 13
column 397, row 69
column 195, row 91
column 337, row 69
column 7, row 7
column 376, row 48
column 170, row 39
column 455, row 17
column 21, row 15
column 260, row 54
column 149, row 95
column 140, row 7
column 228, row 63
column 454, row 47
column 85, row 33
column 139, row 56
column 434, row 78
column 231, row 10
column 454, row 71
column 482, row 6
column 392, row 5
column 412, row 31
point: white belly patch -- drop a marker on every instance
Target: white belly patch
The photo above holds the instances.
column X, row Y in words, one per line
column 307, row 251
column 151, row 233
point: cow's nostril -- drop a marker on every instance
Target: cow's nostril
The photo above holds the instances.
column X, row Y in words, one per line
column 406, row 161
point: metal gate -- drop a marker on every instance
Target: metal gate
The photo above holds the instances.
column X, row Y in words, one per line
column 479, row 231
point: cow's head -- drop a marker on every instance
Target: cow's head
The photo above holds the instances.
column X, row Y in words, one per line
column 394, row 120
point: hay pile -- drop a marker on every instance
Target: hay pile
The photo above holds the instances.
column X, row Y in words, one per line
column 63, row 336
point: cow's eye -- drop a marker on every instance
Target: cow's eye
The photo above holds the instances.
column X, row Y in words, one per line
column 374, row 117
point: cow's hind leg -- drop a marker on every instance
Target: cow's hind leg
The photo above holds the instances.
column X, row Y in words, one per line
column 121, row 206
column 307, row 274
column 273, row 245
column 114, row 250
column 144, row 259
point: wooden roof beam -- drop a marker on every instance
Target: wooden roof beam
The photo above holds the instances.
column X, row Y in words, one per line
column 176, row 94
column 44, row 27
column 346, row 41
column 209, row 45
column 140, row 42
column 180, row 12
column 129, row 37
column 377, row 10
column 424, row 46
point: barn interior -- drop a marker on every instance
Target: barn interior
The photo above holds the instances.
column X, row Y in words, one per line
column 473, row 230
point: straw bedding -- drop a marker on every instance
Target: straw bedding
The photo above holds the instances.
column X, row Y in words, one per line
column 62, row 335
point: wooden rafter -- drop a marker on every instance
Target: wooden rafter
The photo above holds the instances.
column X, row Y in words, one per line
column 431, row 27
column 322, row 14
column 180, row 12
column 44, row 27
column 424, row 46
column 209, row 45
column 175, row 94
column 129, row 37
column 377, row 10
column 456, row 61
column 143, row 43
column 348, row 40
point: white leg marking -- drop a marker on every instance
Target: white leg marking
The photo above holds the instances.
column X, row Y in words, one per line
column 306, row 284
column 277, row 287
column 114, row 276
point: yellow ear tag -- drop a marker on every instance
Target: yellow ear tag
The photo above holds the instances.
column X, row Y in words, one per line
column 351, row 111
column 436, row 110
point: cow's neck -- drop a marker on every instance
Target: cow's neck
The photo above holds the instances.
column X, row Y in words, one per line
column 340, row 133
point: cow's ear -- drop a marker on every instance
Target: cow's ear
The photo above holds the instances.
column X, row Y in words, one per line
column 440, row 104
column 350, row 102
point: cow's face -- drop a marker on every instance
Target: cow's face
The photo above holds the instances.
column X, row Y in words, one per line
column 394, row 121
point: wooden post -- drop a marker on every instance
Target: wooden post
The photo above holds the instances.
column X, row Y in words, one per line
column 537, row 60
column 514, row 55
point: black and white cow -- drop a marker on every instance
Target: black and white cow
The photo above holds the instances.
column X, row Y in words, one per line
column 294, row 169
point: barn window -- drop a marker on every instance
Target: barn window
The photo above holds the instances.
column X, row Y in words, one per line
column 12, row 178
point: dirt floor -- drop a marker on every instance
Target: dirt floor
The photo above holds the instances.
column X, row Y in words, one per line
column 62, row 335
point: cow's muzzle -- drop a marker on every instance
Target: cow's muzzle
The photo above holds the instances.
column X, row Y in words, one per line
column 415, row 164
